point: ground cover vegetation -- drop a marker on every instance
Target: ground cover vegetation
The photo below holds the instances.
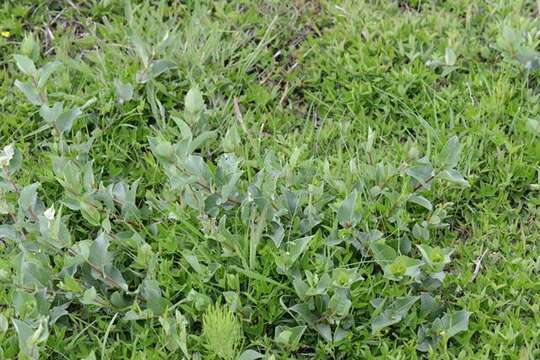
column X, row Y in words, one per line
column 269, row 180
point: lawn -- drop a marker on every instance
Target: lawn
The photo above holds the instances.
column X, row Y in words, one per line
column 269, row 179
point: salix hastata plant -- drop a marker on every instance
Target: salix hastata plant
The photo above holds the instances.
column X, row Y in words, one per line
column 292, row 208
column 110, row 268
column 285, row 207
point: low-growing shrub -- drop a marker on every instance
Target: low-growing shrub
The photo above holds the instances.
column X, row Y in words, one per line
column 268, row 224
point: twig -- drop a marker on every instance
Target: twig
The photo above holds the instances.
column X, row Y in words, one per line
column 478, row 263
column 205, row 186
column 423, row 183
column 96, row 268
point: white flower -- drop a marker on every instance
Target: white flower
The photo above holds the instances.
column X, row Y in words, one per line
column 6, row 155
column 49, row 213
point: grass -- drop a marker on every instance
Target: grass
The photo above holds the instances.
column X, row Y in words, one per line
column 314, row 75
